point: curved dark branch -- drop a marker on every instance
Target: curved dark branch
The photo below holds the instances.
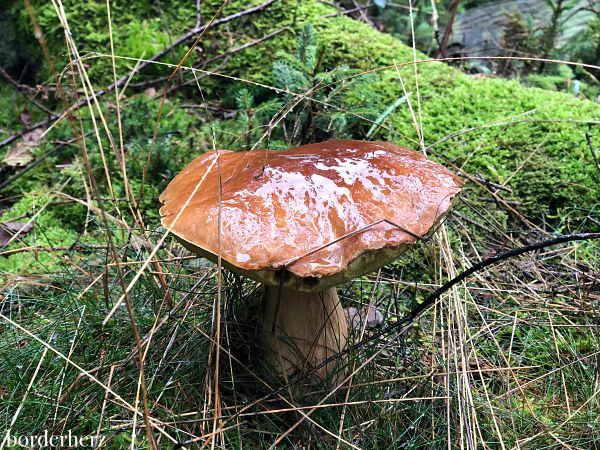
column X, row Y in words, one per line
column 433, row 297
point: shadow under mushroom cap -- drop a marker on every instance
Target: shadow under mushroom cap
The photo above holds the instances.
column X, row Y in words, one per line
column 310, row 217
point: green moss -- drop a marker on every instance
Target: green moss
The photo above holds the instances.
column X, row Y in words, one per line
column 145, row 39
column 48, row 232
column 539, row 151
column 140, row 29
column 531, row 139
column 61, row 224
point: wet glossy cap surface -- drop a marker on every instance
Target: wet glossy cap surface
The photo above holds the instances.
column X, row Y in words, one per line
column 277, row 207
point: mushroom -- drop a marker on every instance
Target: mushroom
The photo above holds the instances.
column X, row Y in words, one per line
column 302, row 221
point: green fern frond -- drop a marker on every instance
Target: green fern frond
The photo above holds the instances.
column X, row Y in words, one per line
column 244, row 99
column 306, row 47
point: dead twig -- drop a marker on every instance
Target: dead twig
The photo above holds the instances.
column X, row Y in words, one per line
column 68, row 248
column 346, row 12
column 592, row 150
column 22, row 89
column 448, row 30
column 490, row 184
column 145, row 84
column 198, row 14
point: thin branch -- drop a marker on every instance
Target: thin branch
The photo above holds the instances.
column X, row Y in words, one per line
column 198, row 14
column 434, row 23
column 345, row 12
column 592, row 151
column 144, row 84
column 22, row 88
column 448, row 30
column 67, row 248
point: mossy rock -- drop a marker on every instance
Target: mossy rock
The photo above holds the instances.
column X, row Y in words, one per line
column 530, row 139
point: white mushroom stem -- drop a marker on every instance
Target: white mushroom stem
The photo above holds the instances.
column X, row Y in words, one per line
column 302, row 329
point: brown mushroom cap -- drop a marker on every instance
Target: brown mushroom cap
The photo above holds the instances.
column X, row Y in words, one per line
column 309, row 210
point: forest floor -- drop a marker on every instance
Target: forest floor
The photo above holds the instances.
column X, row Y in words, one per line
column 108, row 328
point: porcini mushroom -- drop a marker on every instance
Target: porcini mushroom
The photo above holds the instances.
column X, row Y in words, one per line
column 303, row 220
